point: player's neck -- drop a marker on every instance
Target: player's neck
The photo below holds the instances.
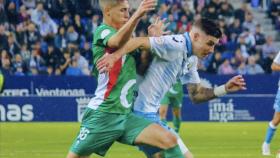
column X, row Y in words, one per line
column 194, row 51
column 109, row 22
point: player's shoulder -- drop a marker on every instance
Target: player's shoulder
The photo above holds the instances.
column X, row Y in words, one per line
column 103, row 30
column 193, row 58
column 171, row 40
column 176, row 38
column 104, row 27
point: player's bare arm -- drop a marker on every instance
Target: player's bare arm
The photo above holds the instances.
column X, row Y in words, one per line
column 199, row 94
column 156, row 29
column 106, row 62
column 125, row 32
column 275, row 67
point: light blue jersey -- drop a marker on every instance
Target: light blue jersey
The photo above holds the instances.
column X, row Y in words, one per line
column 277, row 99
column 173, row 60
column 271, row 127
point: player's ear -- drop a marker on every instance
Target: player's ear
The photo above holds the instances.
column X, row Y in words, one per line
column 196, row 36
column 107, row 10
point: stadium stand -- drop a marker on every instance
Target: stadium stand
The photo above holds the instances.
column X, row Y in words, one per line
column 52, row 37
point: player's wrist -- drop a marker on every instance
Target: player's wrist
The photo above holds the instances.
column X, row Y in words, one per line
column 220, row 91
column 136, row 16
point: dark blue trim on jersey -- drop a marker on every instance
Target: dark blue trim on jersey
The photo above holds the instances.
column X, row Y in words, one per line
column 188, row 44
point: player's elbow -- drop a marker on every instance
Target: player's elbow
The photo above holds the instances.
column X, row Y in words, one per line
column 273, row 67
column 115, row 44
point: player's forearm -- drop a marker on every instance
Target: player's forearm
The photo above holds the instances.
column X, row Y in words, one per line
column 106, row 62
column 275, row 67
column 132, row 44
column 123, row 35
column 199, row 94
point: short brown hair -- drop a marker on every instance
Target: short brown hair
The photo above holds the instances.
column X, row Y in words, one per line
column 104, row 3
column 210, row 27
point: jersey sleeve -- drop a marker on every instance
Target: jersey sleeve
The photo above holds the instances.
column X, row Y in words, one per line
column 190, row 74
column 167, row 47
column 277, row 59
column 103, row 35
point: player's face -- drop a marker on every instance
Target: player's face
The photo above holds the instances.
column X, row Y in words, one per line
column 204, row 44
column 120, row 13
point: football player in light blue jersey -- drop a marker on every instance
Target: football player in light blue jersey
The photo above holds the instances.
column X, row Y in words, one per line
column 175, row 58
column 272, row 126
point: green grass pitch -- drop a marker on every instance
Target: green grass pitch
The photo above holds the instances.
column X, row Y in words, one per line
column 205, row 140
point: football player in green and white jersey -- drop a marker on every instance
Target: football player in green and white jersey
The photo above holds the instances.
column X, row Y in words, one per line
column 108, row 117
column 174, row 98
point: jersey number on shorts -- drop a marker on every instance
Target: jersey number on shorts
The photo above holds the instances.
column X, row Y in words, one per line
column 83, row 133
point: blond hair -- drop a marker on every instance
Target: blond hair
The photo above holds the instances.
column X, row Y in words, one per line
column 107, row 3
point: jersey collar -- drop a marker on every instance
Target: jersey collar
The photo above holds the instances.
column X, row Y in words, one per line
column 188, row 44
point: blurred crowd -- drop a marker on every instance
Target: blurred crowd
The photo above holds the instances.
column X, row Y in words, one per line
column 53, row 37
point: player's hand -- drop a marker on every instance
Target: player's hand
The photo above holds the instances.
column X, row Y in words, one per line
column 106, row 62
column 158, row 28
column 235, row 84
column 145, row 6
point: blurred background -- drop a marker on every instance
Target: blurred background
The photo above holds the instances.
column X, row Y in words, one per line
column 53, row 37
column 46, row 62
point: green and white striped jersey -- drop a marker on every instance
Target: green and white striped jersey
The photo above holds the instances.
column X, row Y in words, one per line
column 115, row 89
